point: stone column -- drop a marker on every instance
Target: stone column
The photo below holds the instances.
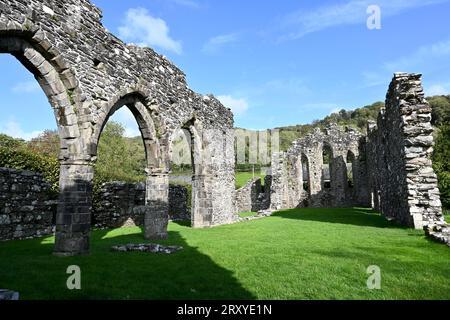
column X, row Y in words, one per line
column 278, row 193
column 339, row 179
column 315, row 163
column 201, row 202
column 73, row 221
column 295, row 180
column 157, row 206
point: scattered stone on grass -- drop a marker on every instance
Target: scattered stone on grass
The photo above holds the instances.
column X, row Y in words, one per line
column 149, row 247
column 8, row 295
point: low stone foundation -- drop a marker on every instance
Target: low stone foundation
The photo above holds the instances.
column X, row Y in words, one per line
column 149, row 247
column 121, row 204
column 27, row 207
column 440, row 233
column 8, row 295
column 260, row 215
column 253, row 197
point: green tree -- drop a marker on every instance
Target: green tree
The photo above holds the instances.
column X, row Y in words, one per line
column 47, row 143
column 441, row 109
column 441, row 162
column 16, row 154
column 119, row 158
column 10, row 142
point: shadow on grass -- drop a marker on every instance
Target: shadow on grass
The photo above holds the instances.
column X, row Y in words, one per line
column 350, row 216
column 187, row 274
column 183, row 223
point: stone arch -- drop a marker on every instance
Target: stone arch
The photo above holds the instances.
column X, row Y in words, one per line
column 201, row 201
column 327, row 166
column 351, row 168
column 90, row 78
column 38, row 55
column 306, row 176
column 157, row 157
column 149, row 128
column 55, row 79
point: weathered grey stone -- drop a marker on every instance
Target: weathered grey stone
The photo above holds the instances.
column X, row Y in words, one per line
column 253, row 197
column 392, row 168
column 8, row 295
column 401, row 177
column 88, row 74
column 28, row 209
column 300, row 177
column 147, row 247
column 120, row 204
column 260, row 215
column 155, row 221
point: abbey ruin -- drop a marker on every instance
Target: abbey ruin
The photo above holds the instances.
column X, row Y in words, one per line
column 88, row 74
column 389, row 170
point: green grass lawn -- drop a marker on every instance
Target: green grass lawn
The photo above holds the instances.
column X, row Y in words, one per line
column 243, row 177
column 247, row 214
column 296, row 254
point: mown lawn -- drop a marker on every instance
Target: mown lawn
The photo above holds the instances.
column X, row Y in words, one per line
column 247, row 214
column 243, row 177
column 296, row 254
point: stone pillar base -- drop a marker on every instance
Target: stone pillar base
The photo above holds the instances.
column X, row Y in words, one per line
column 73, row 220
column 157, row 207
column 155, row 224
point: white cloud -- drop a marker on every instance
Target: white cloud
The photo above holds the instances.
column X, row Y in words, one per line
column 215, row 44
column 13, row 129
column 417, row 61
column 146, row 30
column 26, row 87
column 424, row 53
column 438, row 90
column 126, row 118
column 349, row 13
column 238, row 106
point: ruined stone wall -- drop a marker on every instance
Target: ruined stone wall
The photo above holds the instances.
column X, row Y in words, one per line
column 88, row 74
column 402, row 181
column 298, row 174
column 253, row 197
column 27, row 208
column 121, row 204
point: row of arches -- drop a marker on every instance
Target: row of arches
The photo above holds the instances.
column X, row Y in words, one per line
column 325, row 172
column 80, row 130
column 326, row 169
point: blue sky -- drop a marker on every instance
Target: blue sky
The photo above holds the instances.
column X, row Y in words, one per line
column 274, row 63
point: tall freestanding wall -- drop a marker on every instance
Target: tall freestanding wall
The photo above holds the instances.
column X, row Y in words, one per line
column 402, row 181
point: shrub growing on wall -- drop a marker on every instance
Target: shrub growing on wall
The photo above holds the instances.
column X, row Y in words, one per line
column 19, row 157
